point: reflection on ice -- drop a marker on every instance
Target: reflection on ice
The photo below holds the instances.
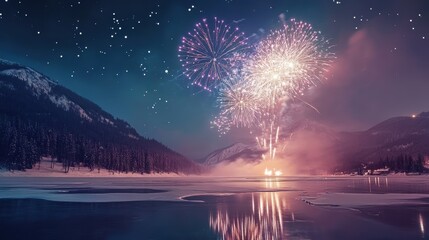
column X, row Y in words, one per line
column 272, row 183
column 422, row 224
column 376, row 182
column 264, row 221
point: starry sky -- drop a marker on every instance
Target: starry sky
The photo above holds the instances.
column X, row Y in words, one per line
column 122, row 55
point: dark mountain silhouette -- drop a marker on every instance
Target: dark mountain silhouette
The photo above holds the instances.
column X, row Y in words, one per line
column 39, row 117
column 398, row 137
column 389, row 139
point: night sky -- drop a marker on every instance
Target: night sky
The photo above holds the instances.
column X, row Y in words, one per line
column 122, row 55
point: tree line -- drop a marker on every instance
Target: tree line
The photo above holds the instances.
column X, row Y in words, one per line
column 24, row 142
column 403, row 163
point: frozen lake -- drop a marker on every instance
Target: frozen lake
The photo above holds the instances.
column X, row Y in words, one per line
column 393, row 207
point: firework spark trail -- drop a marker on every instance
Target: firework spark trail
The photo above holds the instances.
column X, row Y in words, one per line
column 309, row 105
column 286, row 64
column 208, row 54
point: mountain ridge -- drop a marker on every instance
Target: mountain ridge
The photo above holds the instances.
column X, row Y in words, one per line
column 36, row 112
column 391, row 138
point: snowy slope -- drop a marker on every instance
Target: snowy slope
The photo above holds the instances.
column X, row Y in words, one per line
column 43, row 88
column 46, row 119
column 232, row 153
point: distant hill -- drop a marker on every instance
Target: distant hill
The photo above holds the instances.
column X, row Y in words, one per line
column 388, row 139
column 232, row 153
column 313, row 144
column 39, row 117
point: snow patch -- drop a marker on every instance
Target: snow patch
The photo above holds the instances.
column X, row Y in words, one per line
column 36, row 81
column 83, row 114
column 106, row 121
column 64, row 103
column 133, row 136
column 226, row 153
column 61, row 102
column 400, row 147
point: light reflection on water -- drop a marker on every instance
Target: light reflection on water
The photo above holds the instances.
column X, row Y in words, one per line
column 261, row 209
column 270, row 214
column 264, row 221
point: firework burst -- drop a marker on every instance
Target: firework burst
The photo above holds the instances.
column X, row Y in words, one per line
column 289, row 61
column 285, row 64
column 254, row 87
column 238, row 102
column 209, row 52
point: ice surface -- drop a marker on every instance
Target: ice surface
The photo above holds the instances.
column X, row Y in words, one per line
column 353, row 200
column 176, row 188
column 348, row 192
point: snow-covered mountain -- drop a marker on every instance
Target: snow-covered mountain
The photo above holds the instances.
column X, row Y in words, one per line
column 232, row 153
column 40, row 116
column 49, row 92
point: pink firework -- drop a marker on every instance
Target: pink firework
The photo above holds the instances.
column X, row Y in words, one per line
column 209, row 52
